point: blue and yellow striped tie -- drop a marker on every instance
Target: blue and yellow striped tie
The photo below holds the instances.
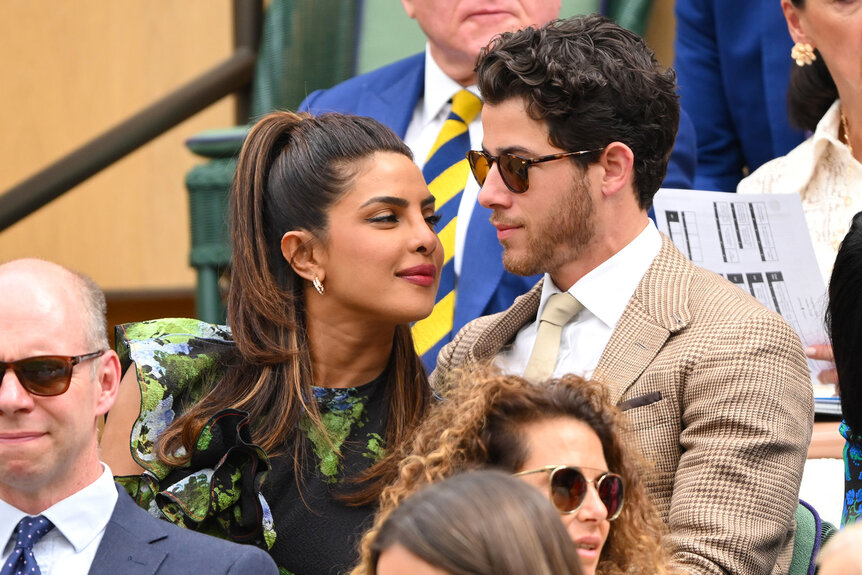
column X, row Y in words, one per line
column 446, row 172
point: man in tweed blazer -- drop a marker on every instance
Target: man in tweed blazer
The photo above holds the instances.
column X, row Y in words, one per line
column 715, row 386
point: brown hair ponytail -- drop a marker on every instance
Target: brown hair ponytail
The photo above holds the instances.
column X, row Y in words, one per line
column 291, row 170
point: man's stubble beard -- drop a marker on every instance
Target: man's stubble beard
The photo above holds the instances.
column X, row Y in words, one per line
column 560, row 240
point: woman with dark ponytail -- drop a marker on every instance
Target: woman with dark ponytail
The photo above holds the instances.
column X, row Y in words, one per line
column 281, row 429
column 824, row 97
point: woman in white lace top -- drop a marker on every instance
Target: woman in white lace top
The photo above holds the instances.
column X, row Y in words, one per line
column 825, row 97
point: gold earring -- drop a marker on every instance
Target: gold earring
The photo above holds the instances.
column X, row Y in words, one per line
column 318, row 285
column 803, row 54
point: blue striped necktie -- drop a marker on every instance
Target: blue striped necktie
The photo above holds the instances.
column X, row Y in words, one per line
column 446, row 172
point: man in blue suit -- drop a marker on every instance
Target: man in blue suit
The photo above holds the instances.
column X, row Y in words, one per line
column 733, row 65
column 60, row 509
column 413, row 97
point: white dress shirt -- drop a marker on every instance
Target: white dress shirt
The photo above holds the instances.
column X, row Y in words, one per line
column 79, row 524
column 604, row 292
column 428, row 118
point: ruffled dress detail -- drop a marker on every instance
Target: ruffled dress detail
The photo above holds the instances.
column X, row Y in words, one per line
column 230, row 488
column 218, row 491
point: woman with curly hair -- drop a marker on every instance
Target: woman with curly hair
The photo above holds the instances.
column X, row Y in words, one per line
column 563, row 436
column 476, row 523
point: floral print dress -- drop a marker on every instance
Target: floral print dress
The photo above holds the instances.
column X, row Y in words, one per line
column 852, row 511
column 230, row 488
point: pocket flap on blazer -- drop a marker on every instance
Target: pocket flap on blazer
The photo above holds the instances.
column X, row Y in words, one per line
column 640, row 401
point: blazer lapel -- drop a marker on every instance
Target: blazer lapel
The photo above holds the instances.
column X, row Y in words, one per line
column 504, row 326
column 657, row 309
column 126, row 546
column 394, row 104
column 633, row 345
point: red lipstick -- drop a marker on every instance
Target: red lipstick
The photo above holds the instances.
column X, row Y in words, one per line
column 423, row 275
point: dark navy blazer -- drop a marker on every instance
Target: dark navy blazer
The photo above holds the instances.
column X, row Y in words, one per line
column 136, row 543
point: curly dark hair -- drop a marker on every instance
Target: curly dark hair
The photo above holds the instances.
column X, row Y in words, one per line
column 482, row 522
column 592, row 82
column 480, row 425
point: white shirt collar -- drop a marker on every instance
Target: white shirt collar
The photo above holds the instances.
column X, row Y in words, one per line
column 606, row 290
column 80, row 517
column 439, row 89
column 825, row 137
column 827, row 127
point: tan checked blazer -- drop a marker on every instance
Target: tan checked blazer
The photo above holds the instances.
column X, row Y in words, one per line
column 718, row 395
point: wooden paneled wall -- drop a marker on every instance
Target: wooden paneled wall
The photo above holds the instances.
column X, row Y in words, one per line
column 72, row 70
column 661, row 30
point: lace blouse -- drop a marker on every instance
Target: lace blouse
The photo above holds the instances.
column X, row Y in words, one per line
column 829, row 180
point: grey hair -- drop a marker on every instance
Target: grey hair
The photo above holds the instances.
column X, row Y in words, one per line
column 95, row 312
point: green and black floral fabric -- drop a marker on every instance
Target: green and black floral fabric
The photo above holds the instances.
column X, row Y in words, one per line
column 230, row 488
column 852, row 511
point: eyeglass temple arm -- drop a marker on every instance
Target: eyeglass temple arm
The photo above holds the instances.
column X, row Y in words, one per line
column 540, row 470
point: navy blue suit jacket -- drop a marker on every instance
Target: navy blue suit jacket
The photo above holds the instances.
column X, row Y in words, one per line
column 733, row 66
column 136, row 543
column 389, row 95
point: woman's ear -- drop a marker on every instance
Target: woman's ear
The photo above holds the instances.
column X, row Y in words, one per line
column 794, row 23
column 617, row 159
column 304, row 254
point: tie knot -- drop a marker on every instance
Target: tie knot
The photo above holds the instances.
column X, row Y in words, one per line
column 30, row 530
column 466, row 105
column 560, row 308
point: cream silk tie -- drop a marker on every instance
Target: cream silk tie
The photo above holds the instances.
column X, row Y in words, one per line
column 559, row 309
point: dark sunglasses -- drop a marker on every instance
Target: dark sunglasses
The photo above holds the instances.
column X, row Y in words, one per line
column 513, row 169
column 568, row 488
column 46, row 375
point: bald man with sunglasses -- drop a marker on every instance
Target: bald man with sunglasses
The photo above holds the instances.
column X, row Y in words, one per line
column 579, row 120
column 60, row 510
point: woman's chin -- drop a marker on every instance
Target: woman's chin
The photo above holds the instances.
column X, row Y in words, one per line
column 421, row 313
column 589, row 559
